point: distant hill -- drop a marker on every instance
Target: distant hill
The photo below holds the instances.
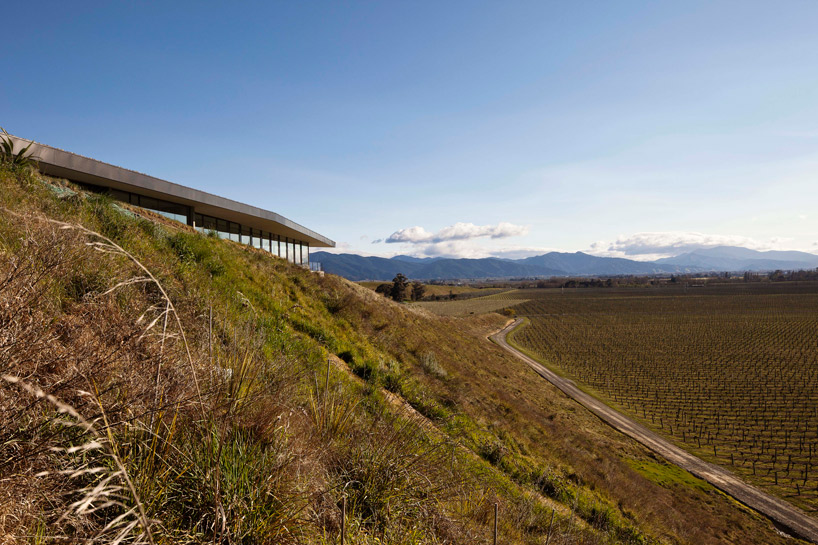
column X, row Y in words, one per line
column 580, row 263
column 733, row 258
column 357, row 267
column 413, row 259
column 722, row 258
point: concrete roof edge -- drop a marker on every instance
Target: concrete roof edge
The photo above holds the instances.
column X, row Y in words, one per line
column 50, row 155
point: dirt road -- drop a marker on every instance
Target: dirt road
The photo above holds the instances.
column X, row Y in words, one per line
column 787, row 517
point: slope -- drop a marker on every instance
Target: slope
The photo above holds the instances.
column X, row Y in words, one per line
column 190, row 382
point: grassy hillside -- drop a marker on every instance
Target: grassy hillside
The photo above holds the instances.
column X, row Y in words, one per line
column 162, row 386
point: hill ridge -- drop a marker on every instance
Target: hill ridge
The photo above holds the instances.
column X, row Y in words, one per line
column 717, row 259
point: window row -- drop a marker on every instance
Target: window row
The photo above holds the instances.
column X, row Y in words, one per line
column 292, row 250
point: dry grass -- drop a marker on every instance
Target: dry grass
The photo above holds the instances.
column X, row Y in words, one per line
column 467, row 307
column 145, row 423
column 257, row 449
column 510, row 411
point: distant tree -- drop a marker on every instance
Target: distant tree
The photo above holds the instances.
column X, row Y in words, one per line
column 418, row 289
column 384, row 289
column 399, row 285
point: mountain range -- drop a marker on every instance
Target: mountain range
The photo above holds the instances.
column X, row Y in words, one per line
column 718, row 259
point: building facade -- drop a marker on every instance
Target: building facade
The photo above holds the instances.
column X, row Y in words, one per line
column 231, row 220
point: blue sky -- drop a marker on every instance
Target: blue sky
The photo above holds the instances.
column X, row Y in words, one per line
column 446, row 128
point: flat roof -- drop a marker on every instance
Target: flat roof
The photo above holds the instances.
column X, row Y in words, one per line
column 64, row 164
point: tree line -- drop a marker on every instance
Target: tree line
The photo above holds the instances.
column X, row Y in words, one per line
column 400, row 288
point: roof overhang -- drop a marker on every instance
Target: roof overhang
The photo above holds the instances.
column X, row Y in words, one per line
column 63, row 164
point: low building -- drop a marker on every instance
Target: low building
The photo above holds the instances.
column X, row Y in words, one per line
column 205, row 212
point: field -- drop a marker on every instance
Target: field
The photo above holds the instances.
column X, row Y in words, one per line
column 729, row 371
column 475, row 305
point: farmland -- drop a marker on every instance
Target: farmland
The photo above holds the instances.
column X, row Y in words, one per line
column 476, row 305
column 728, row 372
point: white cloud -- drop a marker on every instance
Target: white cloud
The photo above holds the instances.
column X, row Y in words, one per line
column 412, row 235
column 458, row 231
column 475, row 250
column 461, row 240
column 649, row 246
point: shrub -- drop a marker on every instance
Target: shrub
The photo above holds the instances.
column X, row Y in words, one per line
column 554, row 485
column 429, row 363
column 392, row 377
column 392, row 477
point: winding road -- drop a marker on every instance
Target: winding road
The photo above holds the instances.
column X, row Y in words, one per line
column 787, row 517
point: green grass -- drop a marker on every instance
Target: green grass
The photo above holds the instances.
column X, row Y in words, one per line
column 668, row 475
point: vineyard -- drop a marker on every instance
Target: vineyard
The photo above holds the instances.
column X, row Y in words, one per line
column 729, row 372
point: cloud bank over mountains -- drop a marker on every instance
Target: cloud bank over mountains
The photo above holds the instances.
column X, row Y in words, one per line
column 655, row 245
column 467, row 240
column 458, row 240
column 458, row 231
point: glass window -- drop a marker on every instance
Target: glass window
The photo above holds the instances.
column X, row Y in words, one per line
column 170, row 210
column 307, row 253
column 235, row 232
column 245, row 234
column 221, row 229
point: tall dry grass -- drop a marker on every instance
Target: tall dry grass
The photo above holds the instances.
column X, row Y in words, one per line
column 201, row 367
column 120, row 426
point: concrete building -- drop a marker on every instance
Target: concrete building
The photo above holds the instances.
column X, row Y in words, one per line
column 205, row 212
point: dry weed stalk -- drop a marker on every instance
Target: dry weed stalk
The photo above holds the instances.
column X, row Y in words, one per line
column 106, row 245
column 104, row 492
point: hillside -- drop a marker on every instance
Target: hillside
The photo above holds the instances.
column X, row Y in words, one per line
column 165, row 386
